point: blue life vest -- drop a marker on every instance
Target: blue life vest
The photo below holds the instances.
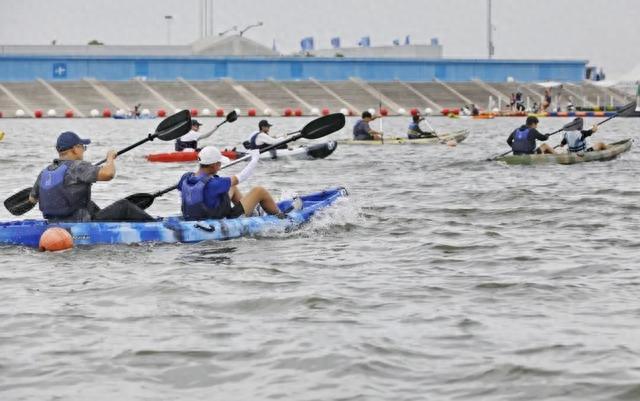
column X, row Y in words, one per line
column 575, row 142
column 192, row 193
column 182, row 145
column 57, row 200
column 360, row 133
column 414, row 127
column 522, row 142
column 251, row 143
column 193, row 202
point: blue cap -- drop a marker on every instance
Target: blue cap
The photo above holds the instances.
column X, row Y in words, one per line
column 69, row 139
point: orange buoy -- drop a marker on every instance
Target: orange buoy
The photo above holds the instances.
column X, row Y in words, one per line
column 55, row 239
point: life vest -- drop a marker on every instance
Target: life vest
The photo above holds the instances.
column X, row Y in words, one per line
column 182, row 145
column 522, row 142
column 575, row 142
column 251, row 142
column 57, row 200
column 360, row 133
column 193, row 202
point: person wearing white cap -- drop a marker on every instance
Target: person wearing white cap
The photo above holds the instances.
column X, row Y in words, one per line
column 205, row 195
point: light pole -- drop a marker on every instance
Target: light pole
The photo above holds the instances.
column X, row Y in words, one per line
column 168, row 18
column 250, row 26
column 490, row 47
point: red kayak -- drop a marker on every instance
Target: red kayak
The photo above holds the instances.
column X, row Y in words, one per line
column 310, row 151
column 173, row 157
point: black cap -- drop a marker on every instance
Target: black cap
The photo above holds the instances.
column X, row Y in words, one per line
column 366, row 114
column 532, row 120
column 263, row 123
column 195, row 122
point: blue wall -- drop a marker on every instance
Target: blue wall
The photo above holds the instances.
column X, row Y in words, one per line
column 27, row 68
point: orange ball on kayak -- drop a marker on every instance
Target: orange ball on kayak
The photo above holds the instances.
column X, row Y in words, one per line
column 55, row 239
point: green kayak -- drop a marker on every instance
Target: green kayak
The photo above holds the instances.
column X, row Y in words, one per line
column 458, row 136
column 613, row 150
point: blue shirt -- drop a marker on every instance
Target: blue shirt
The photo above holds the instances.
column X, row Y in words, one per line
column 214, row 191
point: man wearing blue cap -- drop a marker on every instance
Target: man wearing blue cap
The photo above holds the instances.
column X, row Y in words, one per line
column 63, row 189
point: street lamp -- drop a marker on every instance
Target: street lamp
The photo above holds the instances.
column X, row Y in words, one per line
column 250, row 26
column 233, row 28
column 168, row 18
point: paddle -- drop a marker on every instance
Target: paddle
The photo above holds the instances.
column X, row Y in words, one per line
column 572, row 126
column 626, row 110
column 231, row 117
column 169, row 129
column 313, row 130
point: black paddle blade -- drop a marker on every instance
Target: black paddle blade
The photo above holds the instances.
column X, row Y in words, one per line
column 141, row 200
column 627, row 110
column 174, row 126
column 18, row 204
column 323, row 126
column 575, row 125
column 232, row 116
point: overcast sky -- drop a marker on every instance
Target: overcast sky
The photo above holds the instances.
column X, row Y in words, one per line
column 605, row 32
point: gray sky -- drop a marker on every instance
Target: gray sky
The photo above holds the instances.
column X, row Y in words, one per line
column 603, row 31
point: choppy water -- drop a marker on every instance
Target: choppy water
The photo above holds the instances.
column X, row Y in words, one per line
column 442, row 277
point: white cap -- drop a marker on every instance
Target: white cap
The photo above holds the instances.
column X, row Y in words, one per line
column 209, row 155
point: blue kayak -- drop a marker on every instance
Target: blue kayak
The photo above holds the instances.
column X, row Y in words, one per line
column 171, row 229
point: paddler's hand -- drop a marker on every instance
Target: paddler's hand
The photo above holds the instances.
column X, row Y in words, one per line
column 594, row 128
column 111, row 155
column 546, row 136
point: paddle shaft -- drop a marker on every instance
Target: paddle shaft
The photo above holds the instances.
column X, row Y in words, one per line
column 128, row 148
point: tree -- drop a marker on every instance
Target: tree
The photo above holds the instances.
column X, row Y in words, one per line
column 95, row 42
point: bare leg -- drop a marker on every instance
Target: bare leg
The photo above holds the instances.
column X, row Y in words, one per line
column 544, row 148
column 599, row 146
column 235, row 195
column 261, row 196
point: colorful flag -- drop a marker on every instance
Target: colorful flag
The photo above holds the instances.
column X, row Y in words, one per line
column 365, row 41
column 307, row 43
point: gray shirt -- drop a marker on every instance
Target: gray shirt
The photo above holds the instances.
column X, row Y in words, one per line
column 80, row 175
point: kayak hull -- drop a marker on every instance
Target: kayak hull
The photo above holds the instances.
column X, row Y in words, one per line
column 612, row 152
column 171, row 229
column 458, row 136
column 173, row 157
column 304, row 152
